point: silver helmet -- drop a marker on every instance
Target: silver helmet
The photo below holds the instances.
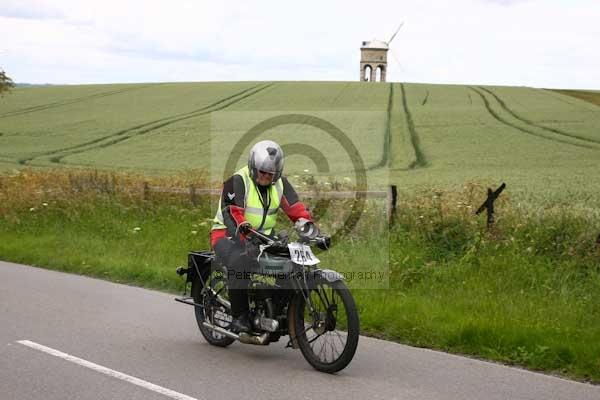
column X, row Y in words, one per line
column 267, row 156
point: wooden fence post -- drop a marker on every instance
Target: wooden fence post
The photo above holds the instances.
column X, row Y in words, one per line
column 392, row 198
column 488, row 204
column 146, row 191
column 193, row 197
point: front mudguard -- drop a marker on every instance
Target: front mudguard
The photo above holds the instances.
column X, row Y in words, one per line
column 326, row 274
column 314, row 277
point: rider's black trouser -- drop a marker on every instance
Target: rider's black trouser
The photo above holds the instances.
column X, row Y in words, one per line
column 239, row 267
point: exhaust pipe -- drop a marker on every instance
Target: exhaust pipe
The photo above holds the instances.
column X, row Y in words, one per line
column 260, row 340
column 220, row 330
column 243, row 337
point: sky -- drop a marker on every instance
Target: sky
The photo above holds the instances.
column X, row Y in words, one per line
column 538, row 43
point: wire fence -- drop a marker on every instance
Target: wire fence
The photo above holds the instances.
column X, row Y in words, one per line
column 389, row 195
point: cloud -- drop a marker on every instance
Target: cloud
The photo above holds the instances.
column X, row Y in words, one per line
column 506, row 2
column 29, row 10
column 528, row 42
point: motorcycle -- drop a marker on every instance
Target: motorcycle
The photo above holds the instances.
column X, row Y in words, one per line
column 288, row 296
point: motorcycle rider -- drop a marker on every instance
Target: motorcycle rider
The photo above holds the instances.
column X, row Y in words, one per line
column 250, row 199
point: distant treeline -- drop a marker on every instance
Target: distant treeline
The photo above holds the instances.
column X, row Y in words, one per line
column 33, row 84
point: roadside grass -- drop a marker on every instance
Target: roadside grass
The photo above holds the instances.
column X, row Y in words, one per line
column 526, row 292
column 102, row 224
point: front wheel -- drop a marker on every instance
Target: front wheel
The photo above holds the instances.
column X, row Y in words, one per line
column 327, row 335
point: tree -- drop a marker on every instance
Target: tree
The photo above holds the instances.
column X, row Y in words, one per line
column 5, row 82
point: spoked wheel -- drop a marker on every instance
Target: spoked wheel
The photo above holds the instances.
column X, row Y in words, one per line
column 214, row 311
column 328, row 336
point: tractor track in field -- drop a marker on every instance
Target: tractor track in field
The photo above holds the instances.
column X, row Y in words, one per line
column 147, row 127
column 152, row 169
column 425, row 99
column 43, row 107
column 385, row 157
column 503, row 121
column 340, row 93
column 8, row 159
column 529, row 122
column 420, row 159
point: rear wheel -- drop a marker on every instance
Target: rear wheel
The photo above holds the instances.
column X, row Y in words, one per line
column 328, row 335
column 213, row 311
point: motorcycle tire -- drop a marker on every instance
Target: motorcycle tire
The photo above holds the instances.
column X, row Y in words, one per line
column 212, row 311
column 327, row 298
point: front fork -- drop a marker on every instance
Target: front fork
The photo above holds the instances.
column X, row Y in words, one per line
column 301, row 287
column 321, row 320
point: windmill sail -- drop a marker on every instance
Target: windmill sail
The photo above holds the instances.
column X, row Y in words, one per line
column 394, row 35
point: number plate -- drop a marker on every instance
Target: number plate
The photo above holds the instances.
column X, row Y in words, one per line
column 302, row 254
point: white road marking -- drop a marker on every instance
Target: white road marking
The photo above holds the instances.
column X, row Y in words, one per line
column 107, row 371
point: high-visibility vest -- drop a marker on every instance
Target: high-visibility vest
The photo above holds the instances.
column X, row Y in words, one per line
column 254, row 211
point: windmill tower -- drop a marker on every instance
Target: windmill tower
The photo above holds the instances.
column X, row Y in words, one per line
column 373, row 59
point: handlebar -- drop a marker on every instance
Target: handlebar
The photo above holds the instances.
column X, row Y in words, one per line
column 264, row 238
column 323, row 242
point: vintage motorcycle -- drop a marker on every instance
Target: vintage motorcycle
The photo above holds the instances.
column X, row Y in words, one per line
column 288, row 295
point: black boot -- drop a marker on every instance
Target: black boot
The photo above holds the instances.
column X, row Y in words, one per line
column 241, row 324
column 239, row 310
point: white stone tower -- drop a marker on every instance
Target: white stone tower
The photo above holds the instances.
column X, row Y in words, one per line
column 373, row 61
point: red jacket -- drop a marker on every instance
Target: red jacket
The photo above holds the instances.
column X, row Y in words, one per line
column 232, row 206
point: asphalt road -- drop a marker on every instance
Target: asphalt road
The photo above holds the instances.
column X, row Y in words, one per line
column 145, row 335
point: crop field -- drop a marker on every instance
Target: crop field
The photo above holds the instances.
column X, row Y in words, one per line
column 544, row 144
column 541, row 143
